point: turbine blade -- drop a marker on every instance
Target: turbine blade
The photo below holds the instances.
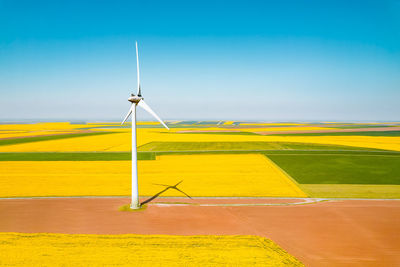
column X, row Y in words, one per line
column 139, row 93
column 127, row 115
column 146, row 107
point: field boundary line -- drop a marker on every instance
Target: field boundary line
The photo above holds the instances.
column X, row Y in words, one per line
column 179, row 197
column 271, row 150
column 296, row 184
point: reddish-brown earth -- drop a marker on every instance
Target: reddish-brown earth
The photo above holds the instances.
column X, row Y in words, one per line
column 333, row 233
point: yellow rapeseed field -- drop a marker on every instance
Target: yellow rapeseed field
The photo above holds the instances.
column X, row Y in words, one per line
column 42, row 126
column 121, row 141
column 107, row 142
column 272, row 124
column 379, row 142
column 202, row 175
column 19, row 249
column 285, row 129
column 256, row 129
column 221, row 175
column 11, row 134
column 147, row 123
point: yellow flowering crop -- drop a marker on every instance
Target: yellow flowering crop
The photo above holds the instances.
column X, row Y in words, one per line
column 19, row 249
column 272, row 124
column 284, row 129
column 11, row 134
column 202, row 175
column 121, row 141
column 379, row 142
column 220, row 175
column 147, row 123
column 106, row 142
column 42, row 126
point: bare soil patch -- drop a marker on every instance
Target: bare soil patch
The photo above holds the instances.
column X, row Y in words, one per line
column 334, row 233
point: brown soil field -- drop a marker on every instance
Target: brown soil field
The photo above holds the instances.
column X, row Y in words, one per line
column 330, row 233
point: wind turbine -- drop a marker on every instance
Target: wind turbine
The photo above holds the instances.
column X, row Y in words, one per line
column 137, row 100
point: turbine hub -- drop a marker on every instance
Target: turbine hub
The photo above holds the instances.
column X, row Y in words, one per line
column 134, row 98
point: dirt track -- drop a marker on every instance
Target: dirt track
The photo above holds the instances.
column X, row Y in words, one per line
column 335, row 233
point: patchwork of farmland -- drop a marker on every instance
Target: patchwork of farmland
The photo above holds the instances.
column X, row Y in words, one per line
column 213, row 158
column 231, row 159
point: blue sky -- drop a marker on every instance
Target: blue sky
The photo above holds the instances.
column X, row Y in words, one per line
column 240, row 60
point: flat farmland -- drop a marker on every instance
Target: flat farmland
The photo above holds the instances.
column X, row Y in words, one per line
column 229, row 146
column 287, row 187
column 203, row 175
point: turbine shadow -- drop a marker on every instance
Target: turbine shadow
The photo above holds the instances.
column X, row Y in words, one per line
column 162, row 191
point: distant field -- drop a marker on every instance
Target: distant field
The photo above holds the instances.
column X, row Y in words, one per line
column 341, row 169
column 73, row 156
column 89, row 142
column 140, row 250
column 357, row 126
column 55, row 136
column 151, row 155
column 210, row 146
column 363, row 133
column 221, row 132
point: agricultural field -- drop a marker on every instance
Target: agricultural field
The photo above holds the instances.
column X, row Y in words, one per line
column 139, row 250
column 233, row 170
column 209, row 156
column 203, row 175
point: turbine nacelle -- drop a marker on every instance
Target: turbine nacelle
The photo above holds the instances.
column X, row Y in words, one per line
column 135, row 99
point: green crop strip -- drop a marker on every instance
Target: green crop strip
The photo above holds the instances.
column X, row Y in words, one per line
column 73, row 156
column 14, row 141
column 379, row 169
column 249, row 146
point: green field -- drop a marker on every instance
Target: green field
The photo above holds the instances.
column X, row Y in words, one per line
column 13, row 141
column 73, row 156
column 346, row 168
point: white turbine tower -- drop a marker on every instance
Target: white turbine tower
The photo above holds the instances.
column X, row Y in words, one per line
column 137, row 100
